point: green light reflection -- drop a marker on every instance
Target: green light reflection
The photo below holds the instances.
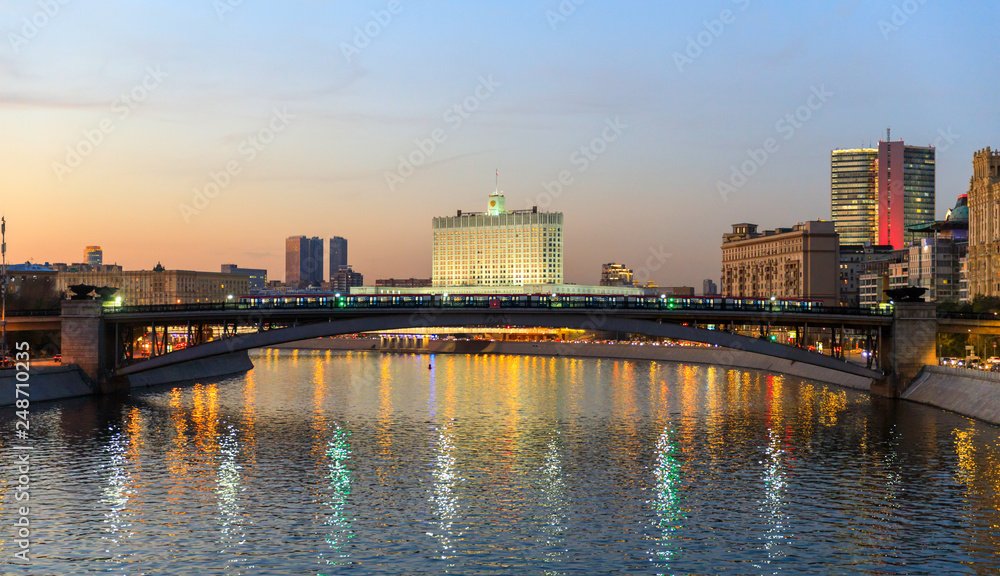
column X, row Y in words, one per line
column 669, row 515
column 339, row 519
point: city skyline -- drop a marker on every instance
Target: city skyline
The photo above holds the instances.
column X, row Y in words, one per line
column 652, row 128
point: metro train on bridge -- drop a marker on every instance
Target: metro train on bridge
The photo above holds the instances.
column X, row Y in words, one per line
column 618, row 302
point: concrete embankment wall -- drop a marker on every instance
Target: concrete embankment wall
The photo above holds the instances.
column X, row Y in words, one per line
column 46, row 383
column 689, row 354
column 213, row 367
column 972, row 393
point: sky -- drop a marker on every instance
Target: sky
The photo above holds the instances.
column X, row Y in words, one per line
column 200, row 132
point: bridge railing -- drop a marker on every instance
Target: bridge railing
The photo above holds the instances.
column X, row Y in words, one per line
column 968, row 315
column 43, row 312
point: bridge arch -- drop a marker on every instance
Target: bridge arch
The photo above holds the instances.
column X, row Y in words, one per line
column 586, row 320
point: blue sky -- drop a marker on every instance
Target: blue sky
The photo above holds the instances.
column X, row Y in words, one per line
column 286, row 120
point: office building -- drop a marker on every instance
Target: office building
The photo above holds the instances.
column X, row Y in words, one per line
column 497, row 247
column 161, row 286
column 878, row 194
column 257, row 276
column 853, row 258
column 984, row 224
column 616, row 275
column 905, row 179
column 936, row 260
column 93, row 255
column 345, row 279
column 797, row 262
column 303, row 261
column 709, row 287
column 853, row 197
column 338, row 254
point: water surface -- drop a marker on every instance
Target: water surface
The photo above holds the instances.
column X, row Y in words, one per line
column 360, row 463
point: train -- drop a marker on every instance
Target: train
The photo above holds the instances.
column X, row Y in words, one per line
column 617, row 302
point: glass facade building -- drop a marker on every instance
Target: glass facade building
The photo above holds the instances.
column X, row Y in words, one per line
column 303, row 260
column 338, row 255
column 878, row 194
column 853, row 198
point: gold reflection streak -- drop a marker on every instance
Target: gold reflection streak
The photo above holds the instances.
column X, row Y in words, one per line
column 383, row 438
column 966, row 451
column 687, row 380
column 177, row 464
column 250, row 421
column 204, row 417
column 133, row 431
column 831, row 404
column 716, row 391
column 573, row 386
column 775, row 401
column 657, row 394
column 504, row 474
column 510, row 386
column 807, row 410
column 319, row 400
column 448, row 403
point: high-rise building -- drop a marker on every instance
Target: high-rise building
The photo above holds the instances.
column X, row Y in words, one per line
column 338, row 254
column 93, row 255
column 877, row 194
column 853, row 198
column 498, row 247
column 905, row 180
column 616, row 275
column 303, row 261
column 709, row 287
column 258, row 276
column 984, row 224
column 797, row 262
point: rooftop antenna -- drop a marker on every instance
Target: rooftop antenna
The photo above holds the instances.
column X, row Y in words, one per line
column 497, row 188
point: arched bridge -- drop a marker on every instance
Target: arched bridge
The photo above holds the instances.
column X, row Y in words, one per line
column 246, row 326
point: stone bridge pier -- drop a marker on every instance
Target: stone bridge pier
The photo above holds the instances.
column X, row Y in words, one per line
column 909, row 345
column 85, row 343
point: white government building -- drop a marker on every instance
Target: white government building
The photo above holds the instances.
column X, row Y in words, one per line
column 498, row 247
column 499, row 251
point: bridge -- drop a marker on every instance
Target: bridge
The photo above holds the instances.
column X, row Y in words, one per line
column 101, row 339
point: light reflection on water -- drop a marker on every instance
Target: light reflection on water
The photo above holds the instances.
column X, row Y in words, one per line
column 327, row 463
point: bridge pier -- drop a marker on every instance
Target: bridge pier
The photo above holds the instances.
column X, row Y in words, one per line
column 84, row 342
column 911, row 344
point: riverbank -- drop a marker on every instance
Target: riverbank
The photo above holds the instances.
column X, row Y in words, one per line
column 45, row 383
column 972, row 393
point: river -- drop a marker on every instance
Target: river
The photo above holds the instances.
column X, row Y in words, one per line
column 365, row 463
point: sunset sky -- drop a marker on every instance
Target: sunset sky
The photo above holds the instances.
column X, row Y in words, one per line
column 196, row 133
